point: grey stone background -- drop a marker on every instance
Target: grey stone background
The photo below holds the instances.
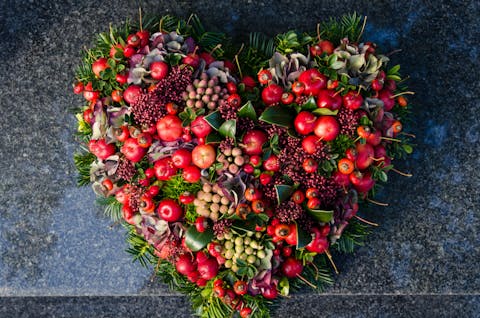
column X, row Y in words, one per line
column 60, row 258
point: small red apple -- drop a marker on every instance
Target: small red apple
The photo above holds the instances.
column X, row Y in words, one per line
column 169, row 210
column 253, row 141
column 327, row 128
column 132, row 150
column 159, row 70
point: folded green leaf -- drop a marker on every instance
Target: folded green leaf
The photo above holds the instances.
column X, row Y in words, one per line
column 310, row 104
column 321, row 215
column 196, row 240
column 248, row 111
column 214, row 119
column 278, row 115
column 228, row 128
column 325, row 111
column 303, row 238
column 283, row 192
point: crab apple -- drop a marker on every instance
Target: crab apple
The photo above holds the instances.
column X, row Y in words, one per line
column 78, row 88
column 365, row 153
column 169, row 128
column 185, row 265
column 129, row 51
column 192, row 59
column 341, row 179
column 319, row 243
column 264, row 77
column 182, row 158
column 132, row 150
column 270, row 292
column 377, row 85
column 353, row 100
column 313, row 80
column 191, row 174
column 116, row 52
column 386, row 97
column 327, row 128
column 249, row 82
column 200, row 127
column 304, row 123
column 375, row 138
column 329, row 99
column 121, row 78
column 203, row 156
column 201, row 225
column 253, row 141
column 132, row 93
column 272, row 163
column 169, row 210
column 158, row 70
column 310, row 165
column 101, row 149
column 363, row 182
column 272, row 94
column 129, row 216
column 310, row 144
column 164, row 169
column 99, row 66
column 292, row 267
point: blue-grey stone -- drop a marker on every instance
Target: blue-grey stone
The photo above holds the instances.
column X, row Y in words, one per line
column 54, row 241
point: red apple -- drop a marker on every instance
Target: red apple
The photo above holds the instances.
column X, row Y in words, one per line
column 253, row 141
column 305, row 122
column 327, row 128
column 101, row 149
column 164, row 169
column 365, row 153
column 182, row 158
column 132, row 150
column 200, row 127
column 169, row 210
column 313, row 80
column 99, row 66
column 192, row 59
column 272, row 94
column 310, row 144
column 159, row 70
column 328, row 98
column 203, row 156
column 169, row 128
column 352, row 100
column 131, row 93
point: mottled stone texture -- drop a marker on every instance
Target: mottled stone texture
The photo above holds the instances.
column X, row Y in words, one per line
column 422, row 261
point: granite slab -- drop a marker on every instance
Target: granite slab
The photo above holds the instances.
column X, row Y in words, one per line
column 59, row 254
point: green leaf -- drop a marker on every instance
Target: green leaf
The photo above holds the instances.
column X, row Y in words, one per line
column 310, row 104
column 228, row 128
column 278, row 115
column 214, row 119
column 394, row 70
column 284, row 286
column 382, row 176
column 303, row 238
column 248, row 111
column 196, row 240
column 407, row 148
column 213, row 138
column 394, row 77
column 325, row 112
column 321, row 215
column 283, row 192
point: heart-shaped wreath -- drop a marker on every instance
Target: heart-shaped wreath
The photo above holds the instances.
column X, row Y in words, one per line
column 238, row 172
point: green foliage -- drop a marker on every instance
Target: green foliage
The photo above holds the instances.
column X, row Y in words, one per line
column 354, row 234
column 139, row 248
column 82, row 161
column 292, row 41
column 112, row 208
column 341, row 144
column 262, row 44
column 349, row 26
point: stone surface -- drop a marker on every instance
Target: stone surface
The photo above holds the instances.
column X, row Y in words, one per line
column 54, row 241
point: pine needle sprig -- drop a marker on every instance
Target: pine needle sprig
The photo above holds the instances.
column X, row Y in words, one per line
column 349, row 26
column 355, row 234
column 83, row 161
column 112, row 208
column 139, row 248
